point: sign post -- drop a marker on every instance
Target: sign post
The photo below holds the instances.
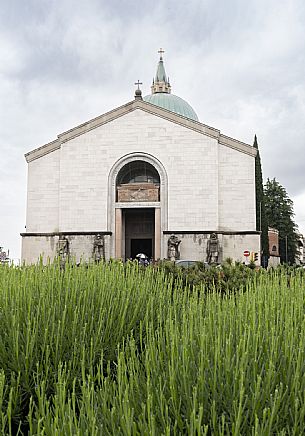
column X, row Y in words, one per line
column 246, row 254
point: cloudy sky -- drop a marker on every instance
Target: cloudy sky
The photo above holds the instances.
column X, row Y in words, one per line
column 240, row 64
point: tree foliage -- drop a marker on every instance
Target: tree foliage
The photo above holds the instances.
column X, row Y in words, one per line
column 261, row 219
column 279, row 212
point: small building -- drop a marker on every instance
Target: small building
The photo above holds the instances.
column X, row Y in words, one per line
column 274, row 250
column 147, row 177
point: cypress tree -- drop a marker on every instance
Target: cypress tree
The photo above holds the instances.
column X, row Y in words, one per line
column 261, row 219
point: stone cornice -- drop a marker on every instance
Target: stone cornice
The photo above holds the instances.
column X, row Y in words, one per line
column 149, row 108
column 178, row 119
column 207, row 232
column 41, row 151
column 137, row 204
column 65, row 234
column 237, row 145
column 97, row 122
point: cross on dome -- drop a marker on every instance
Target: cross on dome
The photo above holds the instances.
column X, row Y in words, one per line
column 161, row 51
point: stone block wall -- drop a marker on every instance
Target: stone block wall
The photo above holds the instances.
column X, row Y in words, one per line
column 43, row 193
column 189, row 158
column 236, row 190
column 194, row 246
column 235, row 245
column 35, row 246
column 209, row 185
column 80, row 247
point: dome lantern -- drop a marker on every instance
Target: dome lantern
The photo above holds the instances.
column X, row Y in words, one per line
column 160, row 82
column 161, row 94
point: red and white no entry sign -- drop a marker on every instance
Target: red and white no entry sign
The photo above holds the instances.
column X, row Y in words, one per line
column 246, row 253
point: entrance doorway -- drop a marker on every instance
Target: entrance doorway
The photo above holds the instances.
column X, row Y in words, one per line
column 139, row 232
column 141, row 246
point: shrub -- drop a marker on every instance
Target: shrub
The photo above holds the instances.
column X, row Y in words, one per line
column 118, row 349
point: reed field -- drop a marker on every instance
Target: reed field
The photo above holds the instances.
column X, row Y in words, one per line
column 114, row 349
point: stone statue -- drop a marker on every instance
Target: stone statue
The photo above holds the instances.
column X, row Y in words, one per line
column 173, row 248
column 98, row 248
column 63, row 250
column 213, row 249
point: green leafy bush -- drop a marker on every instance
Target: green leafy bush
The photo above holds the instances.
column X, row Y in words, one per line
column 226, row 278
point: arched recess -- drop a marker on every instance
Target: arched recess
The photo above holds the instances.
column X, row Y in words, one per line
column 113, row 205
column 135, row 172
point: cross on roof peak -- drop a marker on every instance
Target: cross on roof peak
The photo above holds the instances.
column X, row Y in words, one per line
column 138, row 83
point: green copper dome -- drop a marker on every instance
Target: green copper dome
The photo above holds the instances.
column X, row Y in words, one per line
column 172, row 103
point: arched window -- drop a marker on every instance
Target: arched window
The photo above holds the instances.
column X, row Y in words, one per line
column 138, row 171
column 138, row 181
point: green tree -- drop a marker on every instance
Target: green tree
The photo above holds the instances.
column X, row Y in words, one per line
column 279, row 212
column 261, row 219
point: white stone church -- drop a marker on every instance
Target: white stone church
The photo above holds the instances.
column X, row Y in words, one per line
column 134, row 178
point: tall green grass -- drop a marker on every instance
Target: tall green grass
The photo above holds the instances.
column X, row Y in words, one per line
column 119, row 350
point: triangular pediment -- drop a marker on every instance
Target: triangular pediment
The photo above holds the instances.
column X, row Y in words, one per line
column 138, row 104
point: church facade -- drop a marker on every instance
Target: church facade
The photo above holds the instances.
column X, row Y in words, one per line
column 146, row 177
